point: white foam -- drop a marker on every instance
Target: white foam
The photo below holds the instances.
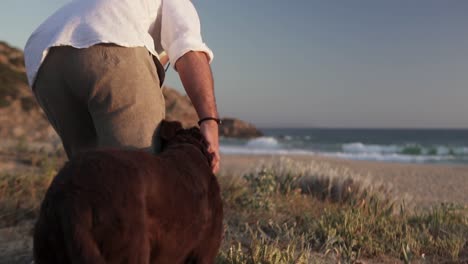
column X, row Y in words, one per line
column 359, row 147
column 352, row 156
column 393, row 157
column 442, row 150
column 262, row 151
column 352, row 151
column 461, row 151
column 263, row 143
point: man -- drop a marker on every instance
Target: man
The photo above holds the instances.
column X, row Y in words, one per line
column 94, row 69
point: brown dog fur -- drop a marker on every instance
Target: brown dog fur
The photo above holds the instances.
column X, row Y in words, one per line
column 121, row 206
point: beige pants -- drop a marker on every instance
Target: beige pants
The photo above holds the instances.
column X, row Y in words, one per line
column 102, row 96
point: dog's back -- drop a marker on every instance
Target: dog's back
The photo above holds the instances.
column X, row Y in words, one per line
column 92, row 210
column 118, row 206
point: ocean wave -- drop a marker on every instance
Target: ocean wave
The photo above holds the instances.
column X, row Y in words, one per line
column 461, row 150
column 263, row 143
column 404, row 150
column 242, row 150
column 405, row 153
column 263, row 146
column 359, row 147
column 394, row 157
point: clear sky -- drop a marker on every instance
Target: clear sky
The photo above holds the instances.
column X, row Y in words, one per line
column 327, row 63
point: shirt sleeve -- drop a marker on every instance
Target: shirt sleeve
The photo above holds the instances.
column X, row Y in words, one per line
column 180, row 30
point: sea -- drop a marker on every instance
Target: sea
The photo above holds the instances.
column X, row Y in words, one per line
column 435, row 146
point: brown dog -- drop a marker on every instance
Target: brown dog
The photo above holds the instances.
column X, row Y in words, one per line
column 122, row 206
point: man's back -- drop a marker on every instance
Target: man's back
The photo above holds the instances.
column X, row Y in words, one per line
column 83, row 23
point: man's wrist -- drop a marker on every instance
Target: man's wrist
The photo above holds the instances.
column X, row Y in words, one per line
column 209, row 119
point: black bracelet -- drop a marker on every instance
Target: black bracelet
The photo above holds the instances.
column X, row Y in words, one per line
column 218, row 121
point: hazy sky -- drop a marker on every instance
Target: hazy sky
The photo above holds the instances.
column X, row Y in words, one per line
column 304, row 63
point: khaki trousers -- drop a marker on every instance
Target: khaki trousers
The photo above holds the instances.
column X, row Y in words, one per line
column 103, row 96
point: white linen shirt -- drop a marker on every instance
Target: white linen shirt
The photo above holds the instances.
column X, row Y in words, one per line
column 159, row 25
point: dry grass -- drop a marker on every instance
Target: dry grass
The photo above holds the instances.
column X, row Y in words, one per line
column 21, row 195
column 291, row 213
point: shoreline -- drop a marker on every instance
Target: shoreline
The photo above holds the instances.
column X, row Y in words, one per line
column 419, row 185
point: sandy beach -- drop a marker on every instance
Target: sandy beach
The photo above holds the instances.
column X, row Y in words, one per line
column 420, row 185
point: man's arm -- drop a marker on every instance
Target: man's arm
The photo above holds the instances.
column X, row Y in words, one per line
column 195, row 73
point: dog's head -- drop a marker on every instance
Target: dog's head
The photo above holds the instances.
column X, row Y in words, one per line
column 172, row 133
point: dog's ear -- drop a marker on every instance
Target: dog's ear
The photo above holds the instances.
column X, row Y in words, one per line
column 168, row 129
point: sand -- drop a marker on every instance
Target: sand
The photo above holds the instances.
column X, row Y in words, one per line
column 420, row 185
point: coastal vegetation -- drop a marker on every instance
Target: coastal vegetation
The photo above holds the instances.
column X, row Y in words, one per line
column 288, row 213
column 308, row 215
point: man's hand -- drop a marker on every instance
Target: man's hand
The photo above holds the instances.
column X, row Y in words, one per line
column 210, row 130
column 195, row 74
